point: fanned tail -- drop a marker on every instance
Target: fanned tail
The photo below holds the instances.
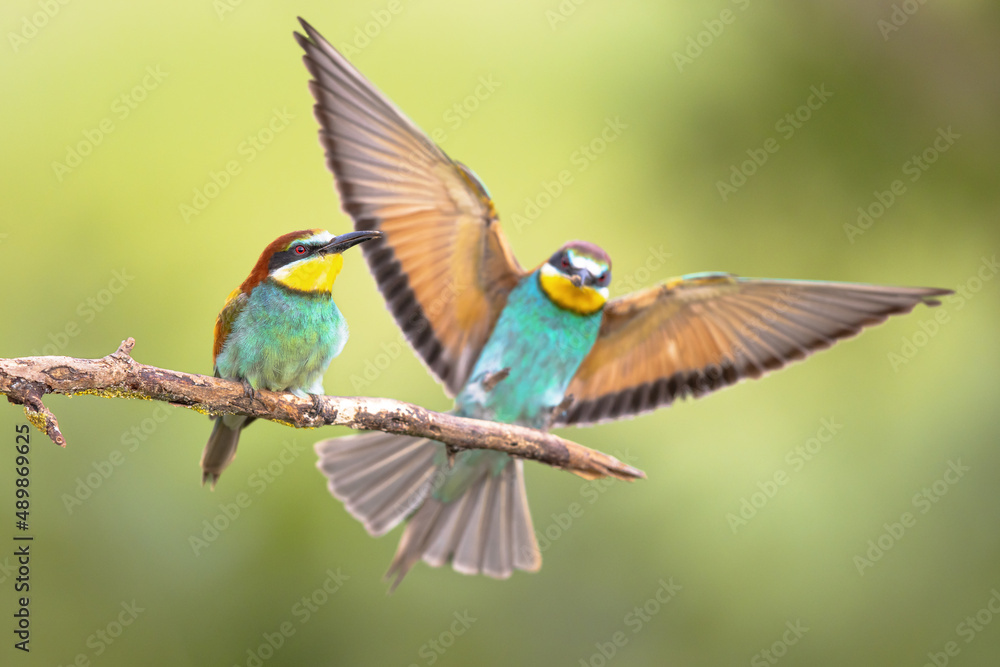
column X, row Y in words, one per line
column 383, row 479
column 486, row 530
column 380, row 477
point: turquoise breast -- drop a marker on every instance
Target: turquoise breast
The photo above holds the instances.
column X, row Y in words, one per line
column 283, row 340
column 542, row 345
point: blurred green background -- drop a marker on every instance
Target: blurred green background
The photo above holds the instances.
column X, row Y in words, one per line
column 100, row 249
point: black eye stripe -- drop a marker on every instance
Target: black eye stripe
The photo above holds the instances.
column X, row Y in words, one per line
column 288, row 256
column 562, row 262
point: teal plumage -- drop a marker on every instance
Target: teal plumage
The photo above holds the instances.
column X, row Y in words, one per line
column 280, row 329
column 540, row 348
column 541, row 345
column 283, row 340
column 473, row 510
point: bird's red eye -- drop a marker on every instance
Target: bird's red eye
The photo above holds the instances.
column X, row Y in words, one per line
column 300, row 250
column 564, row 262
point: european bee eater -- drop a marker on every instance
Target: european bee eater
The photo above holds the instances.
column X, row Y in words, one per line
column 280, row 329
column 539, row 348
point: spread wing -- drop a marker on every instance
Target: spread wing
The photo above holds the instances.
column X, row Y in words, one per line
column 695, row 334
column 235, row 302
column 444, row 267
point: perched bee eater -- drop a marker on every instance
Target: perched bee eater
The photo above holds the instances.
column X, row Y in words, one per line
column 280, row 329
column 539, row 348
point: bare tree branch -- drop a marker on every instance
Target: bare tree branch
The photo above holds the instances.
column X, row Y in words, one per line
column 26, row 380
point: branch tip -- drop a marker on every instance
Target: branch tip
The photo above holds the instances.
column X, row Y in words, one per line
column 42, row 418
column 125, row 349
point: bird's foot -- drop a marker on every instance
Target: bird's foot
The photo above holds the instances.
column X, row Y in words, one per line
column 248, row 390
column 317, row 406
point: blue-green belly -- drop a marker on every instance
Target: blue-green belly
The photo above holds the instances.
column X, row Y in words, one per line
column 543, row 346
column 283, row 340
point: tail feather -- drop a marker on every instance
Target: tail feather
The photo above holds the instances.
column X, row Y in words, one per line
column 398, row 494
column 220, row 450
column 524, row 546
column 468, row 557
column 497, row 561
column 487, row 530
column 439, row 546
column 380, row 477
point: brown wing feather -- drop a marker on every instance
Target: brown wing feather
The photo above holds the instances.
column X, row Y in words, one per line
column 444, row 267
column 695, row 335
column 235, row 302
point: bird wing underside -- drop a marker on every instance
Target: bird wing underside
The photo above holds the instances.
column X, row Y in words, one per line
column 444, row 267
column 693, row 335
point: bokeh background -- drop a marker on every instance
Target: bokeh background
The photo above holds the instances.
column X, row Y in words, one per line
column 100, row 249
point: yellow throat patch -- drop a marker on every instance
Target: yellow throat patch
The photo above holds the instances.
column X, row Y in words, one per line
column 583, row 300
column 315, row 274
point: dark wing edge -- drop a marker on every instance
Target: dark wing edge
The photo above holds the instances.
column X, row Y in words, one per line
column 750, row 326
column 383, row 162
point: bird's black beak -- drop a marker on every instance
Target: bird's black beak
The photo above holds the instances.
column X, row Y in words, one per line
column 349, row 240
column 576, row 279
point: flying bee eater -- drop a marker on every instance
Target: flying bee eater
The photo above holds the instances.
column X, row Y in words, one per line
column 280, row 329
column 539, row 348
